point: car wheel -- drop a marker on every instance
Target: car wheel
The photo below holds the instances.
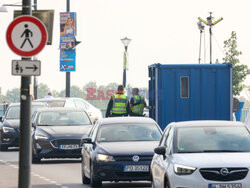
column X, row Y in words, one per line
column 35, row 159
column 167, row 185
column 94, row 182
column 85, row 180
column 3, row 148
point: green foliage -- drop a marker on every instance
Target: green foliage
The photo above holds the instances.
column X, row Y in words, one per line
column 232, row 56
column 3, row 98
column 13, row 95
column 42, row 90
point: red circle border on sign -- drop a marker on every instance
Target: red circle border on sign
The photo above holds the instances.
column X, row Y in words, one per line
column 35, row 21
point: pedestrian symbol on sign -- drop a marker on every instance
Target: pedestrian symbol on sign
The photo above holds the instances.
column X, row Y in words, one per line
column 18, row 68
column 28, row 33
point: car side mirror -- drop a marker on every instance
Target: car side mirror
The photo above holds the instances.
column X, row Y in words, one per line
column 34, row 125
column 160, row 150
column 1, row 119
column 86, row 141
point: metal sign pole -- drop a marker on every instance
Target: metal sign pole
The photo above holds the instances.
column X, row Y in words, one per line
column 25, row 121
column 68, row 73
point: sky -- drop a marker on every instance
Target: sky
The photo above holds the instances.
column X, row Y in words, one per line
column 162, row 31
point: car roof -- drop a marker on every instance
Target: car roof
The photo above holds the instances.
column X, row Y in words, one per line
column 33, row 103
column 205, row 123
column 60, row 109
column 57, row 99
column 114, row 120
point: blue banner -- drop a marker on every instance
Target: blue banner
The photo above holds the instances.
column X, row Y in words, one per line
column 67, row 41
column 67, row 60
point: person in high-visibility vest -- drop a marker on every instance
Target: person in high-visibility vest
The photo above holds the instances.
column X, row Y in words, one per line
column 137, row 103
column 118, row 104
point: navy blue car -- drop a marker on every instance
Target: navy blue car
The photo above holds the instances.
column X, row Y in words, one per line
column 119, row 149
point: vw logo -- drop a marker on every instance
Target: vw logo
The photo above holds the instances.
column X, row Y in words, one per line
column 224, row 172
column 136, row 158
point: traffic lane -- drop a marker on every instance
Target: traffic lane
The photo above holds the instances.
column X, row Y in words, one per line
column 51, row 173
column 68, row 173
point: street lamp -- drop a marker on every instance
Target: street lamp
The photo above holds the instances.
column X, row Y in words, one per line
column 201, row 27
column 125, row 42
column 210, row 22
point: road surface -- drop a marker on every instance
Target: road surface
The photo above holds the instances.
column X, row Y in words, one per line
column 50, row 174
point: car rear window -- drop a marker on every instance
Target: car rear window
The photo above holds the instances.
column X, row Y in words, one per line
column 14, row 111
column 55, row 103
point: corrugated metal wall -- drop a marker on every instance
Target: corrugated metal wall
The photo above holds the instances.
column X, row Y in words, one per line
column 208, row 95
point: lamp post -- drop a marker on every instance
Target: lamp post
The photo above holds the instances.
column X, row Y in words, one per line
column 210, row 22
column 201, row 27
column 125, row 42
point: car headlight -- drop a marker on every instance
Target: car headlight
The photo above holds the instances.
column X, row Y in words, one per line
column 40, row 137
column 183, row 170
column 104, row 158
column 8, row 129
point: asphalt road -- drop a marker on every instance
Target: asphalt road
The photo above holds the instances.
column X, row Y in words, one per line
column 50, row 174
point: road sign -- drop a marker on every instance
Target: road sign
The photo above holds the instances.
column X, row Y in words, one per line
column 26, row 68
column 26, row 36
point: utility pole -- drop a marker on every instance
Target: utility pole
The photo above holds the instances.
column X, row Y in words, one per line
column 210, row 22
column 25, row 121
column 34, row 58
column 68, row 73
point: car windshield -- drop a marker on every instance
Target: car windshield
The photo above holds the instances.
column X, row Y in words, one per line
column 55, row 103
column 14, row 111
column 63, row 118
column 128, row 132
column 212, row 139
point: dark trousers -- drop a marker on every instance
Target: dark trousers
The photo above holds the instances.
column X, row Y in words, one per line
column 118, row 115
column 133, row 114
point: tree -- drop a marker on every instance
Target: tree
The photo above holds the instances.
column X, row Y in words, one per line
column 3, row 99
column 75, row 91
column 13, row 95
column 42, row 90
column 232, row 56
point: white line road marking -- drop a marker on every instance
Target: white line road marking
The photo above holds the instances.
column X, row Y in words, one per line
column 35, row 174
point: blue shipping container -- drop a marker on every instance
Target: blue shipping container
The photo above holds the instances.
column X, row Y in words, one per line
column 190, row 92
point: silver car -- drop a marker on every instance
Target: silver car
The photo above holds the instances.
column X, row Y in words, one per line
column 202, row 154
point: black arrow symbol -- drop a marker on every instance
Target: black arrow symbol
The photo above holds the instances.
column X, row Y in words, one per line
column 34, row 68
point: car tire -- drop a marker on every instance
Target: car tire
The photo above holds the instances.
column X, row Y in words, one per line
column 167, row 185
column 94, row 182
column 35, row 159
column 3, row 148
column 85, row 180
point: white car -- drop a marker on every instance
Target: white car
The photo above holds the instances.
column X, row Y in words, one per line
column 93, row 112
column 202, row 154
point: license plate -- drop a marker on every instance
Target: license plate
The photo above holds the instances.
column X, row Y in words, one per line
column 136, row 168
column 73, row 146
column 225, row 185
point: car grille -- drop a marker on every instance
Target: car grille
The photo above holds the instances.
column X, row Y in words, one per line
column 132, row 174
column 57, row 143
column 129, row 158
column 214, row 174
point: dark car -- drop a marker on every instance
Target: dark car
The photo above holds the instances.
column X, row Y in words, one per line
column 58, row 132
column 119, row 149
column 9, row 125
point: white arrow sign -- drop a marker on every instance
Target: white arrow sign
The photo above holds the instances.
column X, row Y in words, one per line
column 26, row 68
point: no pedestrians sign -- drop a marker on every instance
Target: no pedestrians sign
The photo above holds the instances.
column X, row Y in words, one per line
column 26, row 36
